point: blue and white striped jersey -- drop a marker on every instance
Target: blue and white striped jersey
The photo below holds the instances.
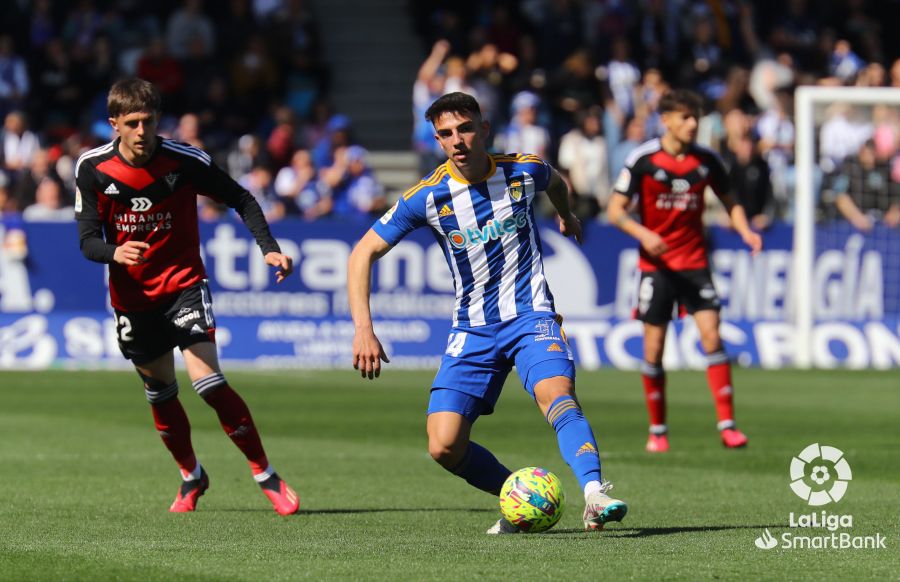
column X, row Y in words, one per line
column 488, row 234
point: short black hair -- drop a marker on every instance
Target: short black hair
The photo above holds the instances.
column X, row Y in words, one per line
column 453, row 103
column 681, row 99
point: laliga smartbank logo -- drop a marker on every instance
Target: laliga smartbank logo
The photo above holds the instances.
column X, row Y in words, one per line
column 820, row 475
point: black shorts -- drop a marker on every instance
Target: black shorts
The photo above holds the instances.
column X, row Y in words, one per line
column 660, row 291
column 186, row 320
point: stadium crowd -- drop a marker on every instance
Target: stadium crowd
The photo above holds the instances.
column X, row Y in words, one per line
column 576, row 82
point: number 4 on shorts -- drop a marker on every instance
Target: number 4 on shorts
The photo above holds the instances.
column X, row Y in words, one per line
column 455, row 343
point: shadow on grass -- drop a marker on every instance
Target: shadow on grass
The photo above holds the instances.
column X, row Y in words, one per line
column 643, row 532
column 341, row 511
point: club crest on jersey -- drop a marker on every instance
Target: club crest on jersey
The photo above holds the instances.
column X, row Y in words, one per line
column 111, row 190
column 170, row 179
column 516, row 189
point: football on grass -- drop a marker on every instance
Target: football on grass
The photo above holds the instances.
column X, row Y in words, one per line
column 533, row 499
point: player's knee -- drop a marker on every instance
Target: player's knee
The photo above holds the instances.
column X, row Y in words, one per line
column 711, row 341
column 447, row 455
column 158, row 391
column 206, row 385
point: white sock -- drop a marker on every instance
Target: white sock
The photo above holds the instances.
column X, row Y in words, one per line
column 591, row 487
column 260, row 477
column 193, row 475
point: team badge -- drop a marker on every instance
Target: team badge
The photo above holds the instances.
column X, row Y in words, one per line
column 77, row 200
column 516, row 189
column 170, row 179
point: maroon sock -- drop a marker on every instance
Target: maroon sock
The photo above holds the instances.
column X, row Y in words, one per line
column 718, row 374
column 235, row 418
column 175, row 431
column 654, row 378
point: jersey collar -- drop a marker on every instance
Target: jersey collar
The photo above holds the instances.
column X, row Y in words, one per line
column 451, row 169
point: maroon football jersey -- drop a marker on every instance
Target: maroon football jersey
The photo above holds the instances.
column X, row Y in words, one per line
column 155, row 203
column 669, row 193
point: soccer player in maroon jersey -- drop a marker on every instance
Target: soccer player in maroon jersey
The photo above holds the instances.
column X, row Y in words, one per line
column 136, row 204
column 667, row 178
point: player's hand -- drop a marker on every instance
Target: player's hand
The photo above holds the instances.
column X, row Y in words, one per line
column 131, row 253
column 284, row 263
column 368, row 353
column 571, row 226
column 754, row 241
column 653, row 243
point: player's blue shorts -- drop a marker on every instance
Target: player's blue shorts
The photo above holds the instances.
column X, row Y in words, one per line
column 478, row 360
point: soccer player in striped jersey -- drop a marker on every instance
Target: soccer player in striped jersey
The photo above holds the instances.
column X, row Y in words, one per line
column 668, row 177
column 480, row 208
column 136, row 205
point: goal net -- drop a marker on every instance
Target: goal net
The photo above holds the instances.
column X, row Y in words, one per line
column 846, row 272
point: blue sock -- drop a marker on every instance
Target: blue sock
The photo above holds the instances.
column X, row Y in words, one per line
column 481, row 469
column 576, row 440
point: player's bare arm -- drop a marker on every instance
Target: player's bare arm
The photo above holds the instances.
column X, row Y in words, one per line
column 741, row 224
column 368, row 352
column 617, row 210
column 284, row 263
column 558, row 192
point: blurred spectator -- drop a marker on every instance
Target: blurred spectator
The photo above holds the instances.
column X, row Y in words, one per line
column 14, row 81
column 42, row 27
column 280, row 144
column 704, row 69
column 49, row 204
column 429, row 85
column 488, row 73
column 301, row 190
column 247, row 155
column 750, row 182
column 623, row 76
column 523, row 134
column 254, row 73
column 160, row 68
column 775, row 129
column 59, row 85
column 583, row 158
column 19, row 143
column 844, row 63
column 864, row 192
column 634, row 136
column 258, row 181
column 337, row 135
column 187, row 27
column 841, row 135
column 895, row 73
column 356, row 191
column 188, row 130
column 575, row 87
column 27, row 181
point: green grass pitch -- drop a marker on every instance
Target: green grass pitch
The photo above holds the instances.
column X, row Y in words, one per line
column 85, row 482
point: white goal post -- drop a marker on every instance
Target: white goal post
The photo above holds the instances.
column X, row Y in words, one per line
column 806, row 99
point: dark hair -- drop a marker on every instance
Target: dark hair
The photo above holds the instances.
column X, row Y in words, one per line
column 681, row 99
column 453, row 103
column 132, row 95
